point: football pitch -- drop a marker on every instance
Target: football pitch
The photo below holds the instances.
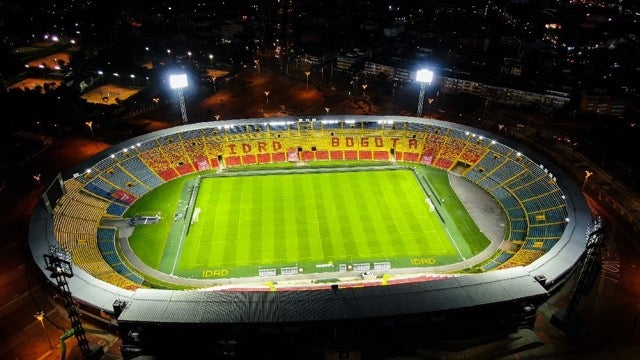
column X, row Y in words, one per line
column 292, row 221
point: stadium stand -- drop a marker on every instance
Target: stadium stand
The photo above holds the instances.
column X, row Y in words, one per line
column 133, row 165
column 533, row 202
column 107, row 237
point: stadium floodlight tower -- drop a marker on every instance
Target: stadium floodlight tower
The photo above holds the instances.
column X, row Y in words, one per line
column 424, row 77
column 58, row 263
column 179, row 82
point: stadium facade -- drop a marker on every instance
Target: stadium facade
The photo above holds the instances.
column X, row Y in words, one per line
column 547, row 214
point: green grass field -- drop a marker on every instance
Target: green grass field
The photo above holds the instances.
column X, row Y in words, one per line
column 314, row 220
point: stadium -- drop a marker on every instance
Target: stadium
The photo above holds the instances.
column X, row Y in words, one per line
column 326, row 237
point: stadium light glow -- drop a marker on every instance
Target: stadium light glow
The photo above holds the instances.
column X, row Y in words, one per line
column 178, row 82
column 424, row 77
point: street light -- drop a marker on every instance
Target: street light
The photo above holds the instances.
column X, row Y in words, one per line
column 423, row 76
column 179, row 82
column 587, row 175
column 257, row 61
column 364, row 88
column 307, row 73
column 355, row 85
column 327, row 110
column 211, row 59
column 484, row 111
column 266, row 94
column 40, row 316
column 90, row 125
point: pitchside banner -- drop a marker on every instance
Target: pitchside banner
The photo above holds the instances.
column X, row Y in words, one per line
column 124, row 196
column 202, row 163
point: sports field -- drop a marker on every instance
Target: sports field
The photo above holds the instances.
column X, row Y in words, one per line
column 304, row 221
column 109, row 94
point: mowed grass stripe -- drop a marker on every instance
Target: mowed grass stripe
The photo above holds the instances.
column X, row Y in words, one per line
column 358, row 247
column 301, row 216
column 393, row 244
column 239, row 219
column 325, row 212
column 342, row 225
column 246, row 251
column 228, row 220
column 332, row 234
column 270, row 220
column 371, row 216
column 283, row 228
column 306, row 222
column 257, row 218
column 314, row 218
column 217, row 231
column 209, row 221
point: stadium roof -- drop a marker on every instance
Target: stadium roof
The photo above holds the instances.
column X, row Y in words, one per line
column 158, row 306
